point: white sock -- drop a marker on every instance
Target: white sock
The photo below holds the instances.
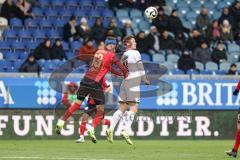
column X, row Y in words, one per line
column 129, row 121
column 115, row 119
column 81, row 136
column 89, row 127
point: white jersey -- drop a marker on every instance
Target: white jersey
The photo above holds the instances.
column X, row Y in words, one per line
column 130, row 59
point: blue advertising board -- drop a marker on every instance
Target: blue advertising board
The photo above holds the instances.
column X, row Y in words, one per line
column 36, row 93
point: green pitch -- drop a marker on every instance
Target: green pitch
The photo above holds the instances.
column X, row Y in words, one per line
column 142, row 150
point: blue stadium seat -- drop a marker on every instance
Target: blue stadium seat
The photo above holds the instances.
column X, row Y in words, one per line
column 23, row 56
column 58, row 23
column 181, row 4
column 233, row 48
column 86, row 4
column 24, row 34
column 38, row 12
column 45, row 23
column 224, row 66
column 221, row 5
column 221, row 72
column 195, row 5
column 172, row 58
column 122, row 13
column 134, row 13
column 17, row 64
column 5, row 46
column 57, row 3
column 108, row 14
column 169, row 65
column 199, row 66
column 65, row 13
column 53, row 34
column 73, row 4
column 145, row 57
column 44, row 3
column 211, row 66
column 206, row 72
column 9, row 34
column 71, row 55
column 100, row 4
column 209, row 5
column 177, row 72
column 158, row 58
column 51, row 13
column 94, row 14
column 144, row 25
column 234, row 57
column 238, row 65
column 31, row 23
column 75, row 45
column 11, row 69
column 15, row 22
column 5, row 64
column 192, row 71
column 18, row 45
column 80, row 13
column 191, row 15
column 10, row 56
column 216, row 15
column 41, row 62
column 39, row 34
column 65, row 46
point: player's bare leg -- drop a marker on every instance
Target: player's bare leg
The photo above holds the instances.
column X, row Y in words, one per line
column 75, row 106
column 115, row 119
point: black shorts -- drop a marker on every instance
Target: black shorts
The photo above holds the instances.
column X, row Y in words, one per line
column 91, row 109
column 91, row 88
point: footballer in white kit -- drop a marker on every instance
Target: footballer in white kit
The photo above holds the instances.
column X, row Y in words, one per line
column 129, row 96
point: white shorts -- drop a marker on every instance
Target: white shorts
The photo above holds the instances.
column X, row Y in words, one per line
column 130, row 90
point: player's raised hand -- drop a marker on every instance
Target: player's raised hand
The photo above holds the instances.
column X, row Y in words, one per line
column 235, row 93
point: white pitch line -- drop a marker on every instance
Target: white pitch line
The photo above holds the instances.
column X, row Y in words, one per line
column 56, row 158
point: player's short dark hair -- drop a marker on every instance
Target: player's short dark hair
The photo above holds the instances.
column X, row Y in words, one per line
column 127, row 39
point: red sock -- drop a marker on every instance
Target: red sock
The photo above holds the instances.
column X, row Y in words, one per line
column 82, row 127
column 107, row 122
column 237, row 141
column 70, row 111
column 97, row 118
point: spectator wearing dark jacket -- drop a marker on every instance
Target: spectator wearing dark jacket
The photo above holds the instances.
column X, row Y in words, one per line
column 30, row 65
column 24, row 9
column 161, row 22
column 44, row 50
column 114, row 27
column 58, row 51
column 153, row 40
column 226, row 32
column 8, row 10
column 84, row 31
column 233, row 69
column 142, row 42
column 194, row 40
column 186, row 62
column 203, row 20
column 98, row 31
column 180, row 42
column 235, row 12
column 226, row 16
column 70, row 31
column 175, row 24
column 166, row 41
column 202, row 54
column 219, row 54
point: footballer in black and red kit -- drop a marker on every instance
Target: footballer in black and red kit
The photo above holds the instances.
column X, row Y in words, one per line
column 91, row 84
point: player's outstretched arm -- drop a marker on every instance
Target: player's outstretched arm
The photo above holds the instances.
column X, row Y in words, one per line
column 121, row 66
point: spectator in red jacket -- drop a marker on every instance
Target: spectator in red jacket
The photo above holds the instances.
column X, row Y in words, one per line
column 87, row 51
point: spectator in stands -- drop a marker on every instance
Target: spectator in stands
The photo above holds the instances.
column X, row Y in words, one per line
column 142, row 42
column 219, row 54
column 153, row 40
column 116, row 30
column 166, row 42
column 213, row 31
column 226, row 31
column 194, row 40
column 84, row 30
column 226, row 16
column 116, row 4
column 87, row 51
column 127, row 28
column 110, row 33
column 203, row 20
column 186, row 62
column 24, row 9
column 8, row 10
column 237, row 34
column 30, row 65
column 43, row 50
column 58, row 51
column 101, row 45
column 98, row 31
column 175, row 24
column 161, row 22
column 180, row 42
column 143, row 4
column 235, row 12
column 202, row 54
column 70, row 30
column 233, row 69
